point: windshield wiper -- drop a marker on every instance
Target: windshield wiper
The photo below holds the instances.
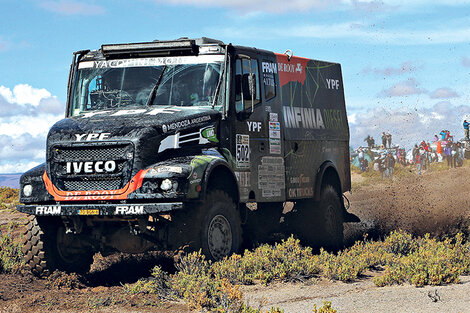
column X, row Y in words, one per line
column 153, row 93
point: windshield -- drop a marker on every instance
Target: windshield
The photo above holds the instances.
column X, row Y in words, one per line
column 172, row 81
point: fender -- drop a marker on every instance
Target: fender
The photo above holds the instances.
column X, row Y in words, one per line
column 202, row 167
column 34, row 178
column 216, row 165
column 348, row 217
column 319, row 179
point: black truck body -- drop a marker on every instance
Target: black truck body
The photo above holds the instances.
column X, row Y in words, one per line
column 164, row 143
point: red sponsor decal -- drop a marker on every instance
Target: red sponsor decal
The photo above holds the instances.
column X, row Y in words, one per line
column 120, row 194
column 291, row 71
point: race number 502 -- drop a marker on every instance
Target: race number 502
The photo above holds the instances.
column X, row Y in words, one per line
column 243, row 151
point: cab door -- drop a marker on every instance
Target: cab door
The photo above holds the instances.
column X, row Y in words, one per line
column 259, row 165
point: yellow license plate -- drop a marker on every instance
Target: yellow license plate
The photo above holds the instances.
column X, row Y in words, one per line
column 88, row 212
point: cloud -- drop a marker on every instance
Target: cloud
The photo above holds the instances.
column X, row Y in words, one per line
column 23, row 147
column 405, row 68
column 271, row 6
column 26, row 116
column 443, row 93
column 281, row 6
column 408, row 126
column 404, row 88
column 4, row 45
column 371, row 6
column 69, row 7
column 24, row 94
column 466, row 61
column 354, row 31
column 17, row 167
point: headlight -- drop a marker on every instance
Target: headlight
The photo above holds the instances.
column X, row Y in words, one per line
column 27, row 190
column 166, row 185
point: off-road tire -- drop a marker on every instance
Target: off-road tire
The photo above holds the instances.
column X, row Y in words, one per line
column 41, row 249
column 220, row 234
column 331, row 219
column 318, row 224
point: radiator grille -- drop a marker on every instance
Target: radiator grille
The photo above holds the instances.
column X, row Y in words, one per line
column 121, row 154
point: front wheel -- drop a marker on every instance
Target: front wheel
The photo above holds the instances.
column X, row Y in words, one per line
column 221, row 233
column 47, row 248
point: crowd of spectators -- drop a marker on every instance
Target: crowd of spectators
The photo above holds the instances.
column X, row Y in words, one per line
column 385, row 157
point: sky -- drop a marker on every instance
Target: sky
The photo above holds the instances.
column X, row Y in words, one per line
column 405, row 64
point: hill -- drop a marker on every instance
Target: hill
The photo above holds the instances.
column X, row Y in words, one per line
column 10, row 180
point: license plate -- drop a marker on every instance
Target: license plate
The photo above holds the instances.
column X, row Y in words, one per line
column 88, row 212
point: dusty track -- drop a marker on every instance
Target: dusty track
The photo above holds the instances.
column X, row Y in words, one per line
column 436, row 202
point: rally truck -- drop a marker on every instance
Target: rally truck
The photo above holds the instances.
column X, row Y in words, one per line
column 188, row 143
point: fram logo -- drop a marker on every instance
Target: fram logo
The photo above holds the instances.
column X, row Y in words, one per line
column 269, row 67
column 49, row 210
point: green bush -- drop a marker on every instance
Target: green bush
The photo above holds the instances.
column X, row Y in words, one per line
column 400, row 257
column 285, row 261
column 11, row 257
column 8, row 195
column 325, row 308
column 432, row 262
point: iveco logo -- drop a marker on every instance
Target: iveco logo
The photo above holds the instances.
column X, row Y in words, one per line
column 90, row 167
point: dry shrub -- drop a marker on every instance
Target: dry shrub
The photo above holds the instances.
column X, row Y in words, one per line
column 11, row 257
column 9, row 195
column 325, row 308
column 285, row 261
column 215, row 286
column 432, row 262
column 62, row 280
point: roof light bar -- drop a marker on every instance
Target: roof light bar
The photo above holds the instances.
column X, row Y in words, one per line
column 149, row 48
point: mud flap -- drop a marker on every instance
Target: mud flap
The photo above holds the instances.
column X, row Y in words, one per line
column 350, row 218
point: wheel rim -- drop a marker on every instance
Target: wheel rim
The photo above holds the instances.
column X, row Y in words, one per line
column 219, row 237
column 330, row 218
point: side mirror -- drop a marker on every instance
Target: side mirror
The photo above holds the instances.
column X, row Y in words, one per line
column 249, row 86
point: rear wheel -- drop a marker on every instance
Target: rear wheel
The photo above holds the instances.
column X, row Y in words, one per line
column 47, row 248
column 318, row 223
column 221, row 233
column 331, row 219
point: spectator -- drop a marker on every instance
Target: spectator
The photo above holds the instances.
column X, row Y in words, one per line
column 415, row 153
column 439, row 148
column 448, row 154
column 381, row 162
column 418, row 164
column 389, row 139
column 465, row 128
column 389, row 165
column 456, row 159
column 369, row 140
column 384, row 140
column 364, row 165
column 422, row 157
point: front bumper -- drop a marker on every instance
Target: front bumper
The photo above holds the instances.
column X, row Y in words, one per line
column 99, row 209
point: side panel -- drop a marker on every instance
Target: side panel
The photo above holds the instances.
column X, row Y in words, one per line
column 315, row 123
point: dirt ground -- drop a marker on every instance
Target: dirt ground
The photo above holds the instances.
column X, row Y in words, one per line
column 435, row 202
